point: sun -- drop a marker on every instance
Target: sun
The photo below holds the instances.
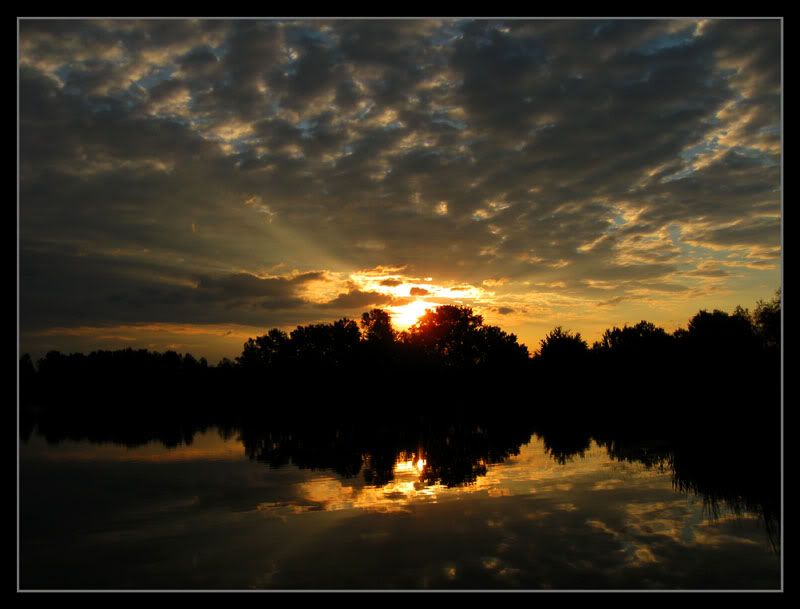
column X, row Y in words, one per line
column 405, row 316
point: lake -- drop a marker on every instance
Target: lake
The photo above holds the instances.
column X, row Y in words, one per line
column 245, row 509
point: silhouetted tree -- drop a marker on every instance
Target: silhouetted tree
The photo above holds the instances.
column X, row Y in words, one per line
column 561, row 346
column 643, row 339
column 640, row 354
column 27, row 395
column 501, row 350
column 448, row 357
column 449, row 334
column 272, row 349
column 379, row 344
column 27, row 373
column 721, row 336
column 767, row 321
column 326, row 345
column 376, row 326
column 226, row 364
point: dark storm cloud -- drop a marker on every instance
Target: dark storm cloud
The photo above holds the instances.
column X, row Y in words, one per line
column 547, row 151
column 270, row 292
column 356, row 299
column 121, row 287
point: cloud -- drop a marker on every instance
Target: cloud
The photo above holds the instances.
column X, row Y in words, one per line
column 267, row 292
column 356, row 299
column 478, row 152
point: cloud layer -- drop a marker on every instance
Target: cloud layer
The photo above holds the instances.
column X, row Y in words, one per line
column 212, row 171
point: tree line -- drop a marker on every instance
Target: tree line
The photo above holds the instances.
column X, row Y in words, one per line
column 453, row 336
column 349, row 395
column 450, row 350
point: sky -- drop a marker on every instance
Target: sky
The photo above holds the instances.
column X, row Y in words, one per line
column 187, row 184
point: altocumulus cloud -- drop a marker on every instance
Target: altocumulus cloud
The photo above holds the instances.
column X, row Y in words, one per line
column 168, row 168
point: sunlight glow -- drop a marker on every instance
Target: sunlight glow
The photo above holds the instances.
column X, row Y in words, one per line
column 405, row 316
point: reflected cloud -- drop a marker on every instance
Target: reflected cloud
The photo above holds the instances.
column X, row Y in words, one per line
column 205, row 446
column 637, row 531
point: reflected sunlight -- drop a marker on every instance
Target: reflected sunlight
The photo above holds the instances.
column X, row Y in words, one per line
column 531, row 471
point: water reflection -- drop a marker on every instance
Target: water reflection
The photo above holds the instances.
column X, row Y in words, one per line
column 495, row 502
column 529, row 521
column 430, row 462
column 530, row 471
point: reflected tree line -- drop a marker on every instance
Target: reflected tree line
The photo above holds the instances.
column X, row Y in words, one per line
column 702, row 402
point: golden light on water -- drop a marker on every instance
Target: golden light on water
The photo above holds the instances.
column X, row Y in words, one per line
column 531, row 471
column 409, row 464
column 403, row 467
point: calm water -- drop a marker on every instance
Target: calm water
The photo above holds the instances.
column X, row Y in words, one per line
column 206, row 515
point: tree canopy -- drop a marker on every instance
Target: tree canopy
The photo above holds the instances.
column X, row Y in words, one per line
column 454, row 337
